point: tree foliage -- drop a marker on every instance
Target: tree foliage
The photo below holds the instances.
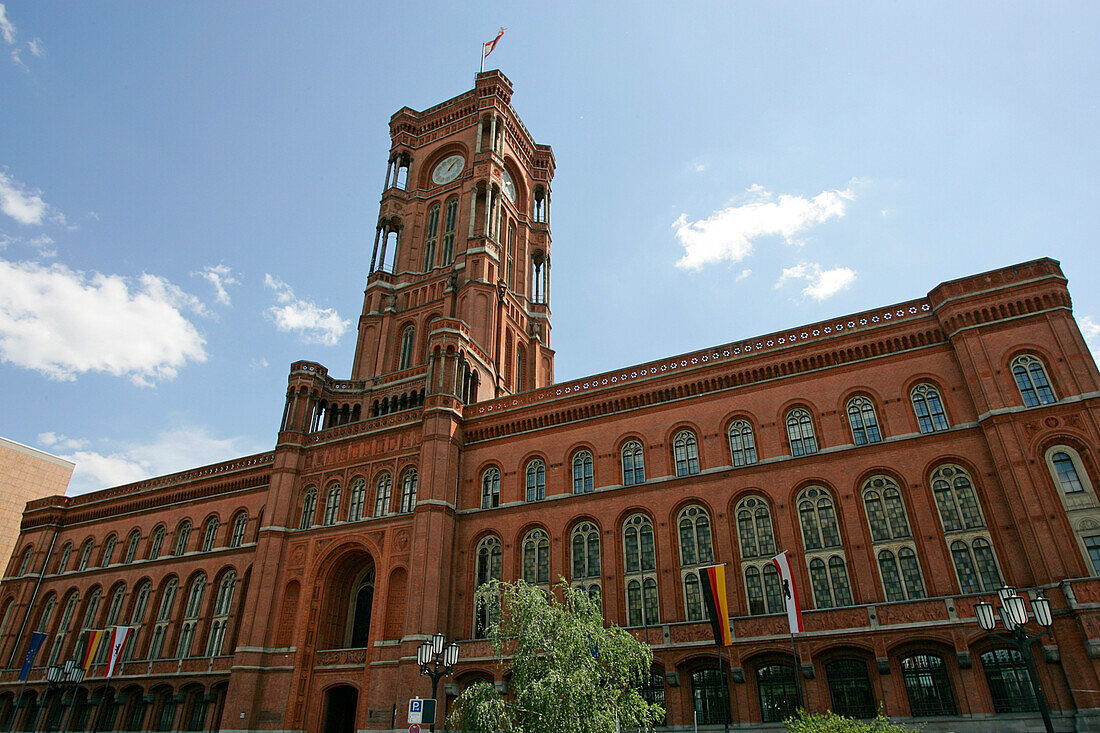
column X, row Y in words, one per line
column 829, row 722
column 566, row 671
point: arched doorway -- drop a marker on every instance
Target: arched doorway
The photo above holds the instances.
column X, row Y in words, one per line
column 348, row 602
column 340, row 704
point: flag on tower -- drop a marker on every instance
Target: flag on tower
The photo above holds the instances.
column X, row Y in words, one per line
column 713, row 578
column 487, row 48
column 118, row 641
column 37, row 637
column 790, row 592
column 95, row 638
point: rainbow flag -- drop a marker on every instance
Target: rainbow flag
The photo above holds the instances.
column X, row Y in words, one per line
column 718, row 607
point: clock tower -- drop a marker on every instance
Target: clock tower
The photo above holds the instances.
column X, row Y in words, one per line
column 458, row 293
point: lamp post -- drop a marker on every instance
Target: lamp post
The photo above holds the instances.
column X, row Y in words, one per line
column 437, row 659
column 1014, row 616
column 65, row 678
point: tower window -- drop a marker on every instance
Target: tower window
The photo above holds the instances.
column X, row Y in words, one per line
column 309, row 506
column 450, row 222
column 408, row 490
column 382, row 495
column 1031, row 380
column 536, row 480
column 490, row 489
column 582, row 472
column 430, row 237
column 406, row 348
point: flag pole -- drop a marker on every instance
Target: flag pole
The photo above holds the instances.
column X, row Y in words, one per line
column 797, row 674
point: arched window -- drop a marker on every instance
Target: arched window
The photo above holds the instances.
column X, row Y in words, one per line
column 536, row 558
column 585, row 545
column 25, row 561
column 210, row 534
column 222, row 606
column 183, row 535
column 362, row 600
column 108, row 550
column 408, row 490
column 821, row 540
column 66, row 553
column 696, row 549
column 357, row 498
column 927, row 685
column 885, row 510
column 156, row 542
column 863, row 421
column 778, row 692
column 850, row 688
column 431, row 231
column 406, row 348
column 47, row 613
column 640, row 570
column 800, row 432
column 164, row 618
column 63, row 626
column 757, row 541
column 309, row 508
column 1009, row 682
column 966, row 535
column 1031, row 380
column 582, row 472
column 240, row 524
column 685, row 452
column 633, row 464
column 488, row 569
column 742, row 443
column 956, row 500
column 975, row 565
column 382, row 494
column 897, row 560
column 928, row 408
column 710, row 696
column 85, row 555
column 1066, row 470
column 450, row 222
column 536, row 480
column 131, row 546
column 817, row 516
column 490, row 488
column 137, row 618
column 191, row 614
column 332, row 505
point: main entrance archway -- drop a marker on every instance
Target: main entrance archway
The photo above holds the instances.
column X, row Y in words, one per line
column 340, row 704
column 348, row 602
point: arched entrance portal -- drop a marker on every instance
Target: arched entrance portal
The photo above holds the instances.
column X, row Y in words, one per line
column 340, row 703
column 345, row 621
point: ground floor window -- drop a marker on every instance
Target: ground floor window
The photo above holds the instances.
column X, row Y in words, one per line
column 778, row 692
column 653, row 691
column 927, row 685
column 850, row 688
column 711, row 695
column 1009, row 684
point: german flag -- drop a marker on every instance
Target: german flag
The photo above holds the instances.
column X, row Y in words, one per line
column 95, row 637
column 718, row 607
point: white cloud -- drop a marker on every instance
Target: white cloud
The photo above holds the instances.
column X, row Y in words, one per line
column 820, row 284
column 258, row 364
column 173, row 450
column 312, row 323
column 36, row 48
column 221, row 277
column 63, row 323
column 26, row 207
column 744, row 274
column 15, row 58
column 7, row 30
column 55, row 441
column 1090, row 329
column 729, row 233
column 44, row 244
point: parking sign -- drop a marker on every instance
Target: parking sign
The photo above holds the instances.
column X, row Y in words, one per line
column 416, row 711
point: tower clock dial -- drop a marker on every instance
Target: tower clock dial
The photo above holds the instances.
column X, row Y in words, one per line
column 509, row 187
column 448, row 169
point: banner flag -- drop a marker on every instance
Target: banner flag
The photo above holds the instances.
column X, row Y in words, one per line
column 487, row 48
column 95, row 638
column 790, row 592
column 37, row 638
column 713, row 578
column 119, row 635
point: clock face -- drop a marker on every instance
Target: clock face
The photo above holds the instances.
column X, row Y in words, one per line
column 509, row 187
column 448, row 169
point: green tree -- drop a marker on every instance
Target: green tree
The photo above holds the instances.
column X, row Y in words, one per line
column 567, row 672
column 830, row 722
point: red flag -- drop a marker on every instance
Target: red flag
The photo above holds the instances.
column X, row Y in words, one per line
column 487, row 48
column 118, row 641
column 790, row 592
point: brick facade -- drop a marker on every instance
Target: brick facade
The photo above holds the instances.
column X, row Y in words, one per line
column 322, row 571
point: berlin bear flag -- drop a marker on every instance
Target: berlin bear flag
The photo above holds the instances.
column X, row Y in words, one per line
column 790, row 592
column 118, row 640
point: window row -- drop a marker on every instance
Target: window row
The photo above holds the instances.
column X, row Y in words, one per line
column 335, row 509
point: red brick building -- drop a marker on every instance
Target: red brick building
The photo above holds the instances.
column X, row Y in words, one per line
column 911, row 459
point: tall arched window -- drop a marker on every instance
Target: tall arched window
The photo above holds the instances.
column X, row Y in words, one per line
column 965, row 530
column 240, row 524
column 450, row 222
column 824, row 552
column 183, row 536
column 928, row 408
column 892, row 539
column 536, row 558
column 490, row 488
column 156, row 541
column 164, row 618
column 640, row 565
column 585, row 546
column 863, row 421
column 332, row 505
column 800, row 432
column 131, row 547
column 66, row 553
column 356, row 499
column 696, row 550
column 63, row 626
column 488, row 569
column 223, row 604
column 1031, row 380
column 685, row 453
column 357, row 634
column 956, row 500
column 108, row 551
column 406, row 348
column 1067, row 470
column 382, row 494
column 757, row 540
column 431, row 231
column 742, row 443
column 137, row 618
column 191, row 614
column 927, row 685
column 408, row 490
column 210, row 534
column 582, row 472
column 85, row 555
column 309, row 508
column 536, row 480
column 633, row 464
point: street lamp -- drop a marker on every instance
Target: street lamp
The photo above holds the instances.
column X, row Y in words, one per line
column 65, row 679
column 437, row 659
column 1013, row 612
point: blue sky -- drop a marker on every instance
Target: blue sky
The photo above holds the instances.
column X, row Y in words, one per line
column 188, row 191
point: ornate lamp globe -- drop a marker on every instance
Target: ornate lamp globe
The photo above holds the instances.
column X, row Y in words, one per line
column 1017, row 610
column 1041, row 608
column 984, row 612
column 450, row 656
column 424, row 653
column 437, row 642
column 1006, row 618
column 1005, row 592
